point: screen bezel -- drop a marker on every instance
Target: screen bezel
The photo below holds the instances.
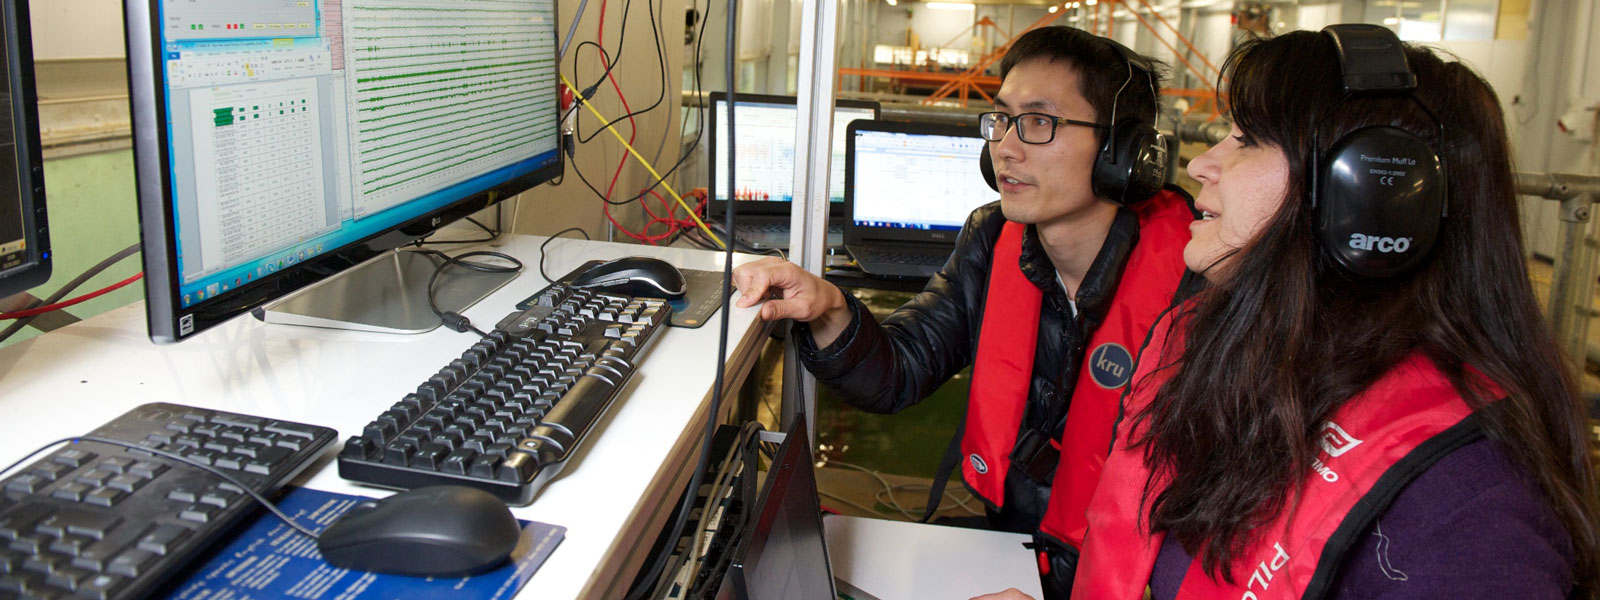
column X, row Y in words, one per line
column 717, row 207
column 35, row 269
column 857, row 234
column 164, row 310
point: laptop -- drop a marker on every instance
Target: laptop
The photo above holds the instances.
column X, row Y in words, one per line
column 782, row 552
column 765, row 181
column 908, row 189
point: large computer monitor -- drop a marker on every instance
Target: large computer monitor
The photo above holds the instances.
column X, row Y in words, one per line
column 766, row 151
column 281, row 142
column 24, row 230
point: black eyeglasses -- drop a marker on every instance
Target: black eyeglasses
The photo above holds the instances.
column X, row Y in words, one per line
column 1031, row 127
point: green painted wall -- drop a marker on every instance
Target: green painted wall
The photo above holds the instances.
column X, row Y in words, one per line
column 93, row 214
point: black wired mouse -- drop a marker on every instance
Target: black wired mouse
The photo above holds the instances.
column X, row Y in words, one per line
column 440, row 531
column 635, row 276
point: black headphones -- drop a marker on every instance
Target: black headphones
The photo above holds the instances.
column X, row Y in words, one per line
column 1378, row 195
column 1132, row 164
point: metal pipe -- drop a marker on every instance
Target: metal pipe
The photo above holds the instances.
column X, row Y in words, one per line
column 1558, row 186
column 1198, row 129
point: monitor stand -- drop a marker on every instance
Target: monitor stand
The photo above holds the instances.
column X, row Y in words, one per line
column 387, row 294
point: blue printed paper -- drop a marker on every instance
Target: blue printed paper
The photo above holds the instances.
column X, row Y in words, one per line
column 271, row 560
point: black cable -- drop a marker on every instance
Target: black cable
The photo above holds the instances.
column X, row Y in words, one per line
column 599, row 194
column 698, row 136
column 67, row 289
column 661, row 59
column 454, row 320
column 547, row 243
column 175, row 457
column 684, row 507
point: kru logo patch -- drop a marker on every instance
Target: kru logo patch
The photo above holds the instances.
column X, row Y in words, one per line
column 977, row 463
column 1111, row 365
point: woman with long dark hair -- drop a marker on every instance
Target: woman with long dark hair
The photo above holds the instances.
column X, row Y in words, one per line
column 1312, row 426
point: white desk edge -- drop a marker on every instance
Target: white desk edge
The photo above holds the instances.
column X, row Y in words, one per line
column 613, row 496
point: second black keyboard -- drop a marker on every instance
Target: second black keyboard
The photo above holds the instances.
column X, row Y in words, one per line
column 505, row 416
column 99, row 520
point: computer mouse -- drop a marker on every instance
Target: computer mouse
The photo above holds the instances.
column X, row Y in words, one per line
column 635, row 276
column 438, row 531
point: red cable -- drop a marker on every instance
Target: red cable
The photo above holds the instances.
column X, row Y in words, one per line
column 633, row 127
column 39, row 310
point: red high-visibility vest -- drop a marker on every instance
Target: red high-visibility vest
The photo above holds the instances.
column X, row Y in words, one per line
column 1372, row 446
column 1003, row 369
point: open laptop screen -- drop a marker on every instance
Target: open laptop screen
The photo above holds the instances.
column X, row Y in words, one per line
column 916, row 180
column 783, row 554
column 766, row 149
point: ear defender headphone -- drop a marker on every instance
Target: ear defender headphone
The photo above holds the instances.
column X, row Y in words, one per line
column 1132, row 164
column 1378, row 194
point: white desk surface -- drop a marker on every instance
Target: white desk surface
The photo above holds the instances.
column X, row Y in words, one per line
column 612, row 496
column 896, row 560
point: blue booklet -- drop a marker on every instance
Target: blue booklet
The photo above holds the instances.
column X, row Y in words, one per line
column 269, row 559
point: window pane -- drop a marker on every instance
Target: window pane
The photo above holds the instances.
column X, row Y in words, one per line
column 1412, row 20
column 1470, row 20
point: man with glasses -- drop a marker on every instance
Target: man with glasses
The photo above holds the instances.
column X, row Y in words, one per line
column 1049, row 294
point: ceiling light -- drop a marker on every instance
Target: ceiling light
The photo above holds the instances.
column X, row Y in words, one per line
column 1053, row 8
column 1391, row 21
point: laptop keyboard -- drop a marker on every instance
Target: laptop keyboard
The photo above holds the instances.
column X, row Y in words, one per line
column 903, row 256
column 778, row 227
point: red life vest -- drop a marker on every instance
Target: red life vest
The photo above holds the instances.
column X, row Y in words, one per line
column 1003, row 369
column 1372, row 446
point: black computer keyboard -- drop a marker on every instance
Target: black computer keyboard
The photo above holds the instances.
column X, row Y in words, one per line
column 505, row 416
column 95, row 520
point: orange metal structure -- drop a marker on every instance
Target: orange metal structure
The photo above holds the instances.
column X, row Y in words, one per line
column 973, row 80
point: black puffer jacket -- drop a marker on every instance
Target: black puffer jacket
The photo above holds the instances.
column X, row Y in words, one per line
column 887, row 367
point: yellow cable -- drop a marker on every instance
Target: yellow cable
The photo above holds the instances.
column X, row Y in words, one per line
column 579, row 95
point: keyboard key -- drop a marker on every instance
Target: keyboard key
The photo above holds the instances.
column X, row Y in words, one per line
column 199, row 513
column 72, row 490
column 429, row 456
column 99, row 587
column 73, row 457
column 26, row 483
column 162, row 539
column 458, row 461
column 106, row 497
column 147, row 469
column 185, row 495
column 70, row 545
column 52, row 470
column 293, row 429
column 131, row 563
column 68, row 577
column 241, row 421
column 115, row 464
column 220, row 498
